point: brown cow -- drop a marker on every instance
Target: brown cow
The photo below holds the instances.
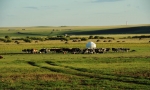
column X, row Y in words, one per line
column 1, row 57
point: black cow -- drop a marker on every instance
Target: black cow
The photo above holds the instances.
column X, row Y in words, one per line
column 44, row 50
column 88, row 51
column 76, row 50
column 56, row 50
column 120, row 49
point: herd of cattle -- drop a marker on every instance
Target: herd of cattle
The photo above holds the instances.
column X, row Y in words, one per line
column 76, row 50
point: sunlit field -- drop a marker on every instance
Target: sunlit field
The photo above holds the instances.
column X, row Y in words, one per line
column 105, row 71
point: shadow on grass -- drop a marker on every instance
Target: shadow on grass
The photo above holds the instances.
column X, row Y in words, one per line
column 128, row 30
column 31, row 34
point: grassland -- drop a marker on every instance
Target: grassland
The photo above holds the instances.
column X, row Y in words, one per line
column 108, row 71
column 42, row 31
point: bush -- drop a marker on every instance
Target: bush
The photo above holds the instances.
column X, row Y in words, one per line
column 2, row 39
column 102, row 37
column 17, row 38
column 67, row 39
column 91, row 37
column 84, row 39
column 72, row 38
column 109, row 40
column 28, row 40
column 104, row 41
column 96, row 37
column 7, row 39
column 98, row 40
column 42, row 39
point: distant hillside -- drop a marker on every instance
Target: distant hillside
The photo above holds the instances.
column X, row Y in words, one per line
column 124, row 30
column 41, row 31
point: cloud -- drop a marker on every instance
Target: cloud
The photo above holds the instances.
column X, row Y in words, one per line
column 101, row 1
column 32, row 8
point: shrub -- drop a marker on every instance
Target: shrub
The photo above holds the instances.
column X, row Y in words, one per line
column 28, row 40
column 96, row 37
column 98, row 40
column 102, row 37
column 104, row 41
column 84, row 39
column 42, row 39
column 109, row 40
column 7, row 39
column 67, row 39
column 66, row 42
column 91, row 37
column 2, row 39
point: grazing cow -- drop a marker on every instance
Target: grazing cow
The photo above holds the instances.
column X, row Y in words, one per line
column 88, row 51
column 1, row 57
column 26, row 50
column 107, row 49
column 30, row 50
column 85, row 51
column 76, row 50
column 36, row 41
column 44, row 50
column 125, row 49
column 101, row 50
column 120, row 49
column 115, row 49
column 17, row 42
column 66, row 50
column 56, row 50
column 34, row 51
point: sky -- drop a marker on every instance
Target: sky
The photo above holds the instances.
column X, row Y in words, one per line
column 73, row 12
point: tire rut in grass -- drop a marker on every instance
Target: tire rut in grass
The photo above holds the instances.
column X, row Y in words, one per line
column 85, row 73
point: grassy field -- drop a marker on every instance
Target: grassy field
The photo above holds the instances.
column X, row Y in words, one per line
column 108, row 71
column 44, row 31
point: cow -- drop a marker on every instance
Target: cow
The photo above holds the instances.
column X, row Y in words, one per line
column 26, row 50
column 125, row 49
column 76, row 50
column 1, row 57
column 120, row 49
column 66, row 50
column 115, row 49
column 30, row 51
column 56, row 50
column 44, row 50
column 88, row 51
column 34, row 51
column 102, row 50
column 85, row 51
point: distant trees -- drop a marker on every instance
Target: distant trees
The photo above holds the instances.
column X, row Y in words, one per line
column 28, row 40
column 7, row 39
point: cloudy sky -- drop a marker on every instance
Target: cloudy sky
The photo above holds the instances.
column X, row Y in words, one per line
column 73, row 12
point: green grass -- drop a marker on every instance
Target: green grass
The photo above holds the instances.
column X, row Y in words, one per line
column 108, row 71
column 75, row 71
column 68, row 71
column 73, row 30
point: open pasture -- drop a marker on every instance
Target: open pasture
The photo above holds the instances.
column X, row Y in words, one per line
column 79, row 71
column 112, row 70
column 44, row 31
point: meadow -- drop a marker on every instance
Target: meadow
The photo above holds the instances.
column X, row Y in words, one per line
column 53, row 71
